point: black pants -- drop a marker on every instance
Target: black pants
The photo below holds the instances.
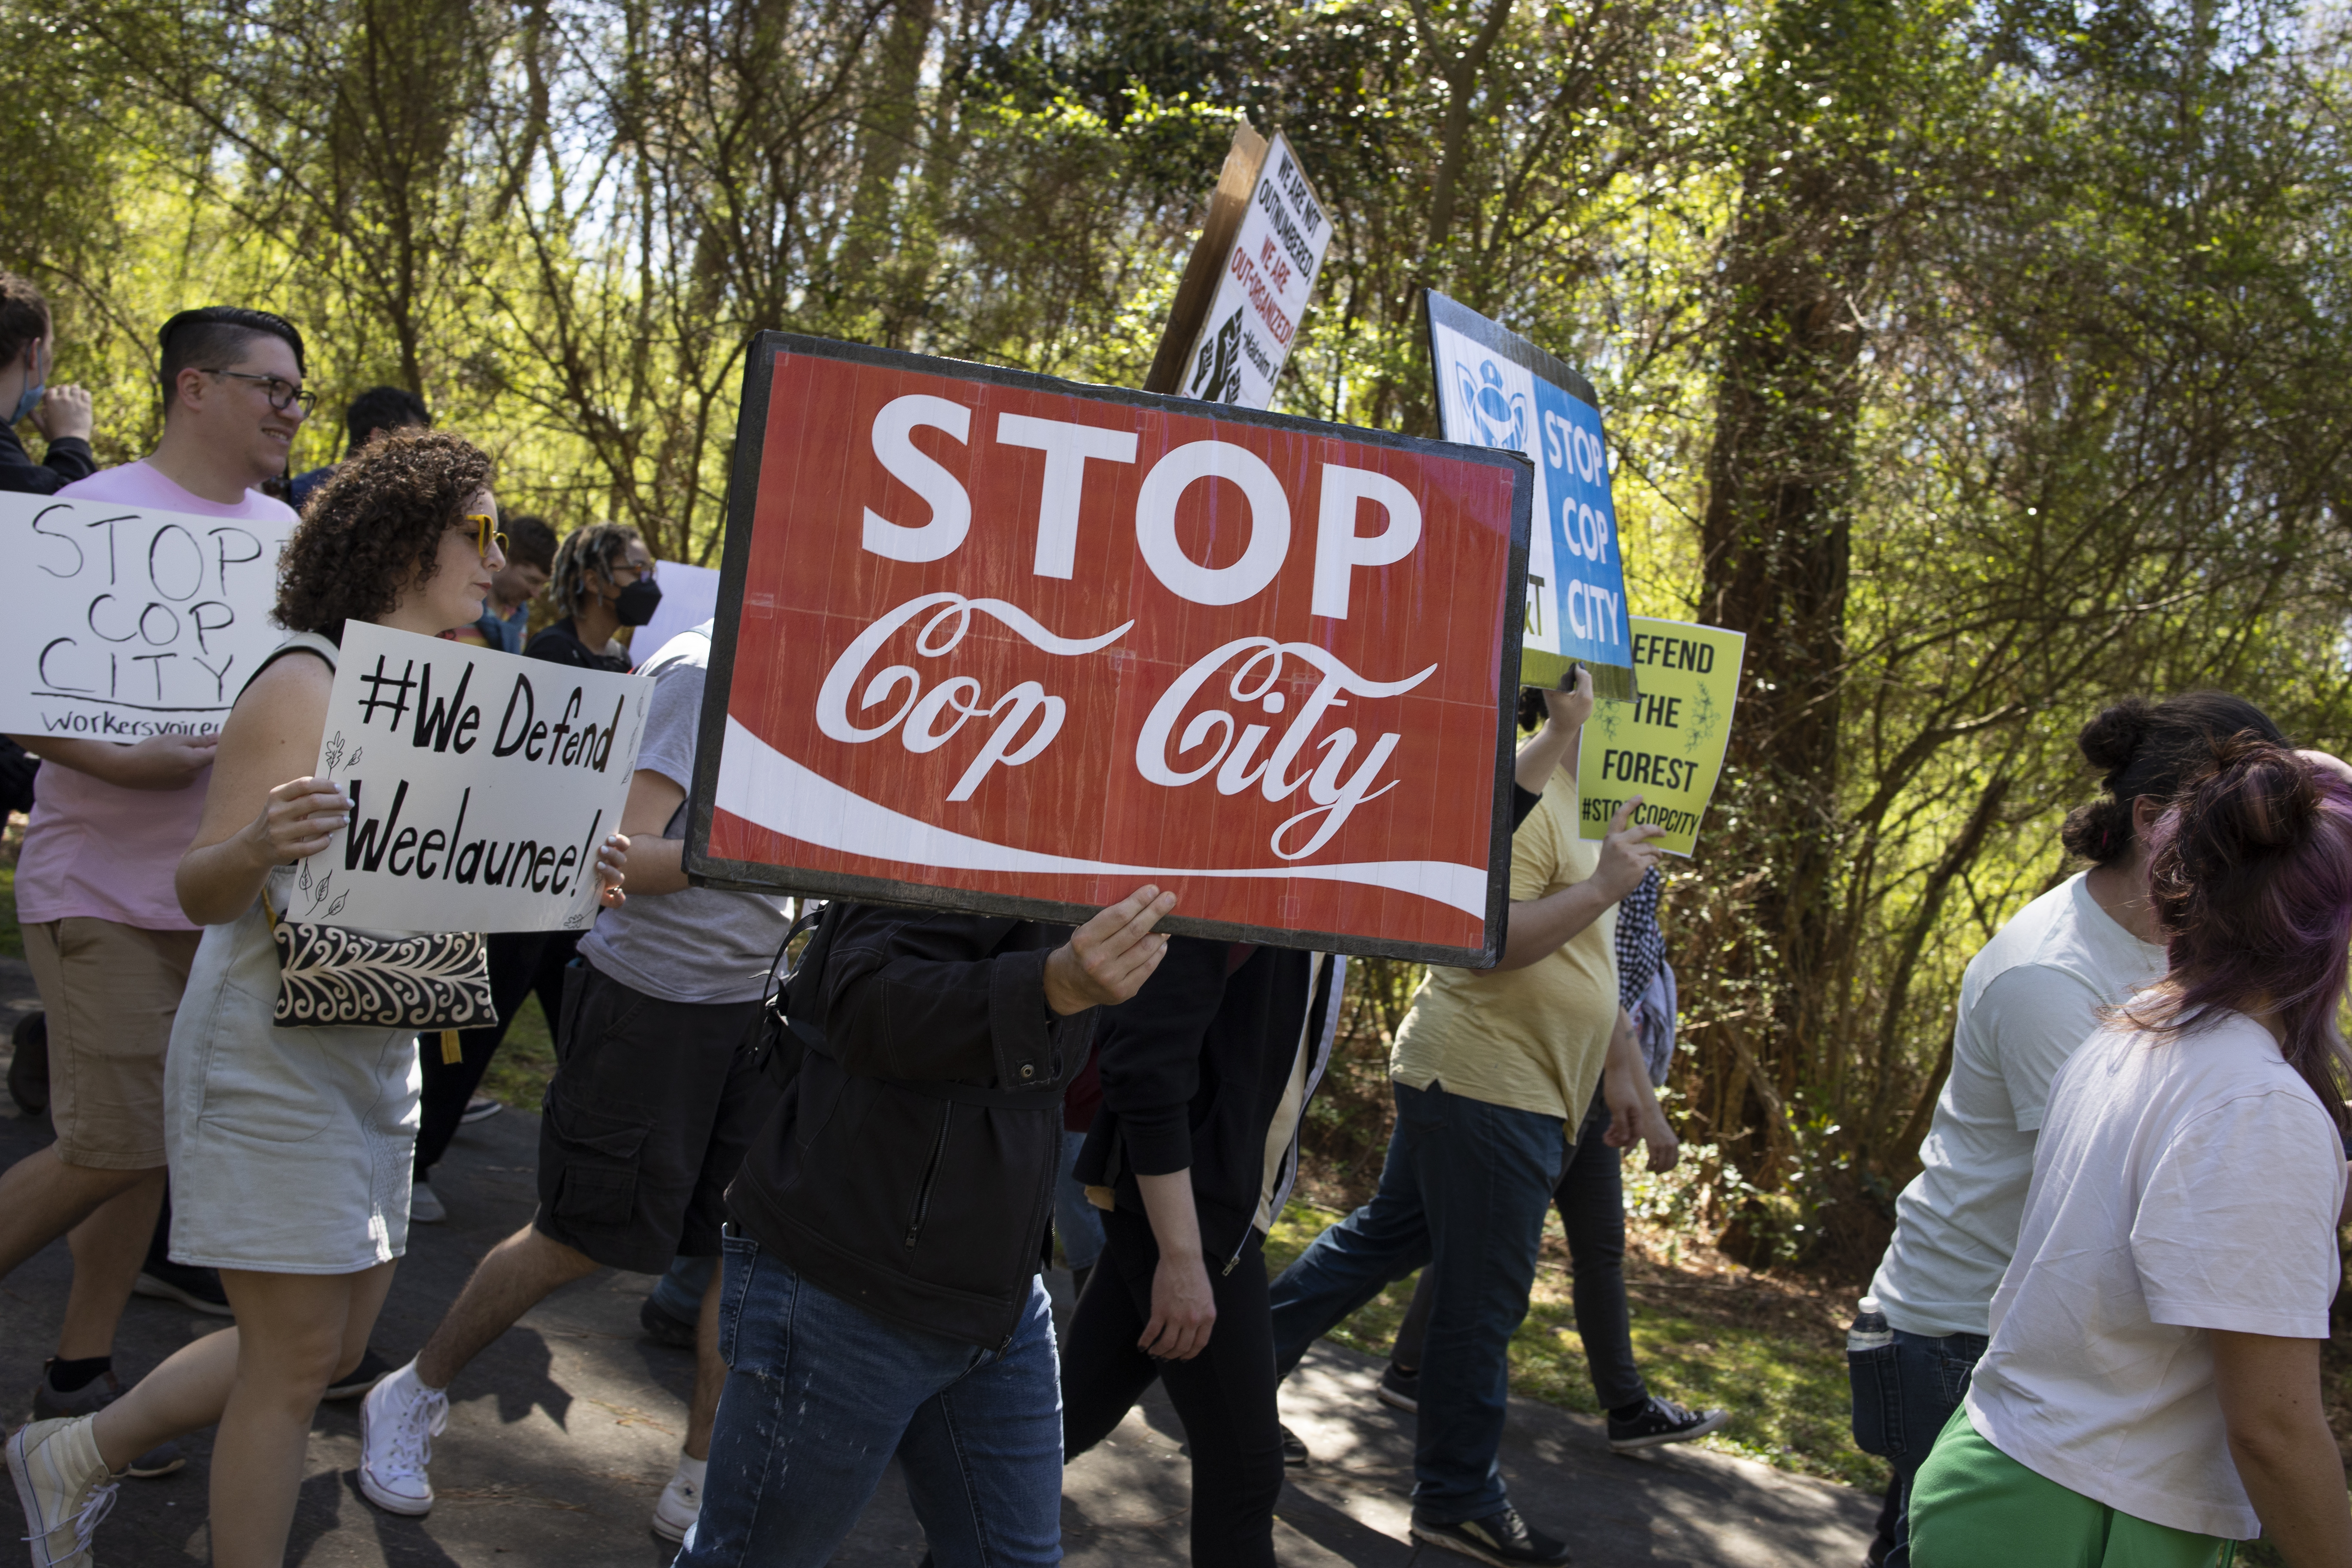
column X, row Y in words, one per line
column 521, row 962
column 1591, row 1199
column 1225, row 1395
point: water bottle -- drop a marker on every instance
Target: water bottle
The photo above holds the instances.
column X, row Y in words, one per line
column 1870, row 1330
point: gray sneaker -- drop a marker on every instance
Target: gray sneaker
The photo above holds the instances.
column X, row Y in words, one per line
column 49, row 1405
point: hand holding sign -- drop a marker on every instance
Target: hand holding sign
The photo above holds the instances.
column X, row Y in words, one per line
column 1627, row 853
column 610, row 862
column 1107, row 959
column 302, row 817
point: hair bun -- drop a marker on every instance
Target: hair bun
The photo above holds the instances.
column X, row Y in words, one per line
column 2111, row 740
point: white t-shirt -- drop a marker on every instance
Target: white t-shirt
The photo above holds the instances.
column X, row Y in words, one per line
column 2181, row 1186
column 2029, row 998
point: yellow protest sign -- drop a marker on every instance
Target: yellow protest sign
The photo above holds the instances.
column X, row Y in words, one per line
column 1666, row 746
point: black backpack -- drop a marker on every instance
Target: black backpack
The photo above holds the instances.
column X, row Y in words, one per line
column 792, row 1008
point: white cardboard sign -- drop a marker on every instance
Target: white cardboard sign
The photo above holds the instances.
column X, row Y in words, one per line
column 126, row 621
column 1262, row 291
column 481, row 783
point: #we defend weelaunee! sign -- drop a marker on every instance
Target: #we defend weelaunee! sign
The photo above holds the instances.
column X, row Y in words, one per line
column 481, row 783
column 1666, row 746
column 997, row 642
column 127, row 622
column 1497, row 389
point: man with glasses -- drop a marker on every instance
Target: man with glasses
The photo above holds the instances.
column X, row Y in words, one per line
column 108, row 943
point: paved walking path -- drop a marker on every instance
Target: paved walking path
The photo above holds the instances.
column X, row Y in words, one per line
column 562, row 1434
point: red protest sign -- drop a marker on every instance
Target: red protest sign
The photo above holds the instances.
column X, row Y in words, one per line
column 992, row 641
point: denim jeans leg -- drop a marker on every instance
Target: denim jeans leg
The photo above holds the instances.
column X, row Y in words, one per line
column 1076, row 1222
column 679, row 1291
column 1591, row 1203
column 1355, row 1259
column 984, row 1459
column 1932, row 1378
column 819, row 1394
column 1486, row 1174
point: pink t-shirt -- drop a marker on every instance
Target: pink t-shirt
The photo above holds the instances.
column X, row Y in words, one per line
column 94, row 849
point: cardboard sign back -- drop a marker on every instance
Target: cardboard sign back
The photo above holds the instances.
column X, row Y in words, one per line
column 995, row 642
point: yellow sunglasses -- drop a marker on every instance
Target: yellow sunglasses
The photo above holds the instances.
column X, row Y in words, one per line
column 486, row 533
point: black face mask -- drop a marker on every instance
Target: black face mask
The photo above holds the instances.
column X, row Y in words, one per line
column 634, row 604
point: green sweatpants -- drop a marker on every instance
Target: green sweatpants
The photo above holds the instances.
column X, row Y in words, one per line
column 1975, row 1506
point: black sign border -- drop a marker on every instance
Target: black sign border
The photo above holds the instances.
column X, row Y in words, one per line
column 703, row 869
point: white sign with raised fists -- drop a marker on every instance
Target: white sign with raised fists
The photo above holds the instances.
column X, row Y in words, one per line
column 125, row 622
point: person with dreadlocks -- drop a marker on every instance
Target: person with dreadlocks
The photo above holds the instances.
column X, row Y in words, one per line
column 603, row 581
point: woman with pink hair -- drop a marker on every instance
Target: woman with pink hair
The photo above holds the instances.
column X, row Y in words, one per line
column 2151, row 1393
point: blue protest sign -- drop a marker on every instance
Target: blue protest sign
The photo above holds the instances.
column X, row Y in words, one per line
column 1497, row 389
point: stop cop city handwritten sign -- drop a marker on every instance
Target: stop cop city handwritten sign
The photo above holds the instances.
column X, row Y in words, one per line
column 126, row 621
column 992, row 641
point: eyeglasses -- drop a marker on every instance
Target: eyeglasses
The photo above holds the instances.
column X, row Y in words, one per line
column 643, row 572
column 486, row 533
column 277, row 388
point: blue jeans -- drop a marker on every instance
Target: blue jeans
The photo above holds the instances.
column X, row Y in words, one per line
column 679, row 1291
column 1076, row 1221
column 821, row 1395
column 1903, row 1396
column 1465, row 1191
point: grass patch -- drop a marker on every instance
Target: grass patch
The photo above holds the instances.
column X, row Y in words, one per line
column 518, row 1075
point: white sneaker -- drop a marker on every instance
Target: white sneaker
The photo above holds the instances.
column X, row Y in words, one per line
column 681, row 1501
column 398, row 1421
column 425, row 1205
column 64, row 1486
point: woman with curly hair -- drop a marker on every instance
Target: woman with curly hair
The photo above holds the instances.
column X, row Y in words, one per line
column 2152, row 1392
column 289, row 1147
column 603, row 581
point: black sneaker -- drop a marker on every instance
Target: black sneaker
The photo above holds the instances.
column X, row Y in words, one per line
column 188, row 1285
column 373, row 1369
column 1400, row 1388
column 1295, row 1456
column 1663, row 1421
column 1502, row 1539
column 663, row 1328
column 101, row 1391
column 481, row 1108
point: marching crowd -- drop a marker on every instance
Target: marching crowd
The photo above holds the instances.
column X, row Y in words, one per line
column 2094, row 1338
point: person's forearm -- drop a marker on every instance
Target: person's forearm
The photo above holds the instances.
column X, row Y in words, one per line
column 1536, row 928
column 219, row 881
column 1544, row 753
column 655, row 865
column 2295, row 1481
column 1175, row 1222
column 102, row 759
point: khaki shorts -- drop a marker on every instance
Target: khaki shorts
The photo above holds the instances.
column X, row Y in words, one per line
column 111, row 991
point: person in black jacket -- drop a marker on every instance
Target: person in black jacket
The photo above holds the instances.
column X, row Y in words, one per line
column 881, row 1295
column 1206, row 1076
column 61, row 414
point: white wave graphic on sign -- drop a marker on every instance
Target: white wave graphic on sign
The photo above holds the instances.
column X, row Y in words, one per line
column 763, row 786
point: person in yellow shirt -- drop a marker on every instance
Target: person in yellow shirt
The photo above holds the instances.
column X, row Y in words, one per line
column 1492, row 1071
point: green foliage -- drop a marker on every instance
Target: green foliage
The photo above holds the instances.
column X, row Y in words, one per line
column 1983, row 363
